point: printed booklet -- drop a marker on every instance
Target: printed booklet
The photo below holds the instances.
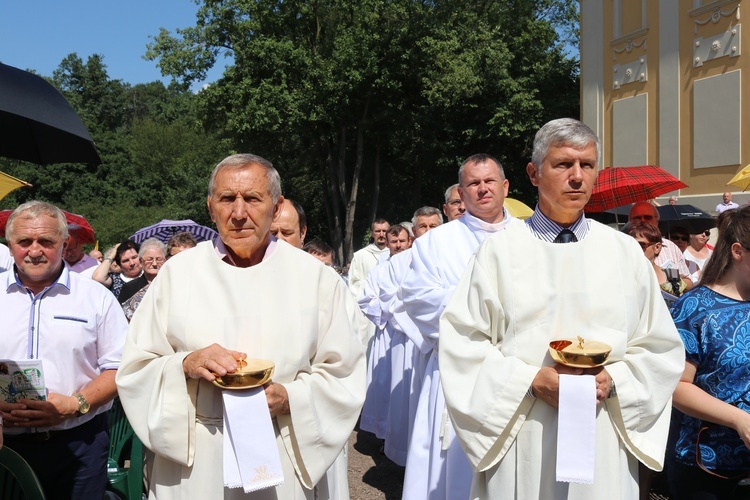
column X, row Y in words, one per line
column 22, row 379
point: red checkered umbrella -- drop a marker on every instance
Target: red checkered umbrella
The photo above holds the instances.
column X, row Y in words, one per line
column 77, row 224
column 617, row 186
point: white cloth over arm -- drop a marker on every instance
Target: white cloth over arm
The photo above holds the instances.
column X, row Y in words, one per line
column 518, row 294
column 289, row 309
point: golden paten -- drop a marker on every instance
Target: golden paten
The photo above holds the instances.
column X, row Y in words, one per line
column 251, row 373
column 579, row 353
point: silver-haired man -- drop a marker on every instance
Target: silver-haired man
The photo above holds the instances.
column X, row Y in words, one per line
column 212, row 307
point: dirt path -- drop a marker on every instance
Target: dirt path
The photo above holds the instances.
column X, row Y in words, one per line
column 372, row 475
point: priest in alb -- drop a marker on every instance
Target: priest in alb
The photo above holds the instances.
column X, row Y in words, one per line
column 245, row 294
column 559, row 275
column 436, row 466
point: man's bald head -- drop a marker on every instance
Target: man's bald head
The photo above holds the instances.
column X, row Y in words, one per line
column 644, row 211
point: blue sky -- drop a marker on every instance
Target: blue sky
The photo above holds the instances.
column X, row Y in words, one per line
column 38, row 34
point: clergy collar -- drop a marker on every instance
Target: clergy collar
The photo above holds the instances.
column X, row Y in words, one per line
column 476, row 224
column 546, row 229
column 221, row 250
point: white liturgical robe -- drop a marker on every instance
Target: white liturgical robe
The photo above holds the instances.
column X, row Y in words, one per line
column 436, row 467
column 518, row 294
column 401, row 352
column 290, row 309
column 363, row 261
column 375, row 410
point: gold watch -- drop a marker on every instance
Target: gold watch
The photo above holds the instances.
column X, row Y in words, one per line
column 83, row 405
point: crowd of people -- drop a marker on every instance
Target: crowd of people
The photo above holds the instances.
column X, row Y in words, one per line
column 437, row 341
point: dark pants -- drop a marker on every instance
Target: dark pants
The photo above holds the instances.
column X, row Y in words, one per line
column 71, row 464
column 693, row 483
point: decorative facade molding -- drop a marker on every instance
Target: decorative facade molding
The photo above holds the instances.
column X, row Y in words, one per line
column 725, row 44
column 715, row 5
column 716, row 13
column 629, row 37
column 629, row 43
column 634, row 71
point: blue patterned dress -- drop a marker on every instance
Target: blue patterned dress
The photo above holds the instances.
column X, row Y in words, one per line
column 716, row 332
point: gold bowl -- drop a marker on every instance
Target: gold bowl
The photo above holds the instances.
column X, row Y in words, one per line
column 579, row 353
column 250, row 373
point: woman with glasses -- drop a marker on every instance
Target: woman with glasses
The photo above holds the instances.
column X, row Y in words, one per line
column 697, row 253
column 177, row 243
column 152, row 255
column 711, row 457
column 649, row 237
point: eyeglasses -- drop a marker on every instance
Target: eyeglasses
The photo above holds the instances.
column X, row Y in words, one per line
column 151, row 260
column 644, row 246
column 678, row 237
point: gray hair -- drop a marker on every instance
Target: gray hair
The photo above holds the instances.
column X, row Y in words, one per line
column 480, row 158
column 240, row 160
column 32, row 210
column 152, row 243
column 409, row 228
column 426, row 212
column 563, row 131
column 448, row 191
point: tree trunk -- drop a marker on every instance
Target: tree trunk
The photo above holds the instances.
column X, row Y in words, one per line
column 352, row 204
column 333, row 203
column 375, row 186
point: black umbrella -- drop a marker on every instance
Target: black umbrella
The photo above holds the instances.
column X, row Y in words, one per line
column 617, row 215
column 38, row 124
column 691, row 218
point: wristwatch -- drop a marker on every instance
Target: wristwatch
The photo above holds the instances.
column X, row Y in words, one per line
column 83, row 405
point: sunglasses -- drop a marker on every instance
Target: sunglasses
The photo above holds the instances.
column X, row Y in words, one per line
column 707, row 233
column 644, row 246
column 678, row 237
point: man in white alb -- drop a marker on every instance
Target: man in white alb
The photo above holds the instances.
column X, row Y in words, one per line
column 556, row 276
column 375, row 410
column 213, row 306
column 363, row 261
column 406, row 375
column 368, row 257
column 436, row 467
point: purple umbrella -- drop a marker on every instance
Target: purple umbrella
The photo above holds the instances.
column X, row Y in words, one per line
column 164, row 229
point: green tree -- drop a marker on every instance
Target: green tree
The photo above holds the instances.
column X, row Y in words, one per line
column 156, row 156
column 351, row 97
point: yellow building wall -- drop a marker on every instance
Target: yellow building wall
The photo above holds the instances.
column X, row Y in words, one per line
column 622, row 53
column 700, row 180
column 714, row 179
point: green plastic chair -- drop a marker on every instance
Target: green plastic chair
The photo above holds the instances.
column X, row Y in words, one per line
column 17, row 480
column 125, row 465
